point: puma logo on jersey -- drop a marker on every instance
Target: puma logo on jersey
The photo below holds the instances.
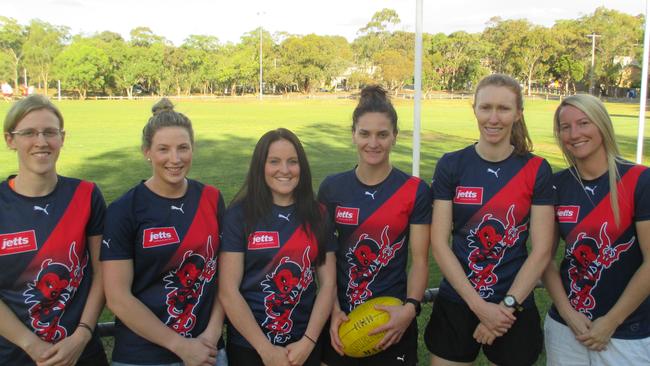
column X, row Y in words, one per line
column 370, row 194
column 469, row 195
column 346, row 215
column 401, row 358
column 178, row 208
column 20, row 242
column 106, row 242
column 591, row 189
column 263, row 240
column 281, row 216
column 567, row 214
column 159, row 236
column 495, row 172
column 44, row 209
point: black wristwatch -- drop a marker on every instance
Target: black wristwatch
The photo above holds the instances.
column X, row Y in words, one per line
column 510, row 302
column 416, row 303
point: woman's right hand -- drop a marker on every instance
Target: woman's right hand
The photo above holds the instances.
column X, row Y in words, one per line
column 197, row 352
column 275, row 356
column 337, row 318
column 497, row 318
column 576, row 321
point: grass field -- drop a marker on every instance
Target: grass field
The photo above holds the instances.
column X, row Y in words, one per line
column 103, row 142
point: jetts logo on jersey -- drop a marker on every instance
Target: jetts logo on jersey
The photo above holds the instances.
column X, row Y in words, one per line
column 20, row 242
column 490, row 240
column 186, row 287
column 263, row 240
column 567, row 214
column 159, row 236
column 366, row 258
column 588, row 258
column 347, row 215
column 469, row 195
column 284, row 286
column 54, row 286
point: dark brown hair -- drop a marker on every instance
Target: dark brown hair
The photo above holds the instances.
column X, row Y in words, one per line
column 374, row 98
column 257, row 199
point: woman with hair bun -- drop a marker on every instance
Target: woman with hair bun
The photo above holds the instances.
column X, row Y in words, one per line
column 601, row 303
column 159, row 255
column 380, row 214
column 51, row 230
column 489, row 197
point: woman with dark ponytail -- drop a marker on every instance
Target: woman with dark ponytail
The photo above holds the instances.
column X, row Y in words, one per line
column 159, row 255
column 380, row 214
column 489, row 196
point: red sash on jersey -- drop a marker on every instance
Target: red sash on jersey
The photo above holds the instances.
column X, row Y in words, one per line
column 295, row 246
column 195, row 238
column 526, row 179
column 603, row 211
column 70, row 228
column 387, row 212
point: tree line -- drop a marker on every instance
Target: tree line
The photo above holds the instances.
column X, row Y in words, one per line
column 107, row 64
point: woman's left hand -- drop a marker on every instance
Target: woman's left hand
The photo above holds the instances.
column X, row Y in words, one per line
column 299, row 351
column 401, row 317
column 598, row 336
column 67, row 351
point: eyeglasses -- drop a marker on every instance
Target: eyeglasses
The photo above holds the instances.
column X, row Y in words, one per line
column 30, row 133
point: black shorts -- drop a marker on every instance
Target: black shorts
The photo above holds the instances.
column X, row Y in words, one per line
column 449, row 336
column 402, row 353
column 240, row 355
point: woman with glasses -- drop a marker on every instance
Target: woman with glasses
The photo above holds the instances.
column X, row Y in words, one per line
column 50, row 233
column 160, row 255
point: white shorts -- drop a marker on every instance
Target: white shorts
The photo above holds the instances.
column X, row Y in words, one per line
column 562, row 349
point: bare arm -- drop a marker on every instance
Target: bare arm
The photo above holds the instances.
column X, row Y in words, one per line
column 118, row 279
column 17, row 333
column 240, row 314
column 577, row 322
column 213, row 330
column 492, row 315
column 299, row 351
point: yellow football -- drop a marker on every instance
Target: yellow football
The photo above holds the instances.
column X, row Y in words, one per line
column 362, row 320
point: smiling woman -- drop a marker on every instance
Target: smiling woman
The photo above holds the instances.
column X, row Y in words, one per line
column 275, row 239
column 51, row 285
column 160, row 265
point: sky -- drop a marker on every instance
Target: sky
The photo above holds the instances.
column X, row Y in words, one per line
column 228, row 20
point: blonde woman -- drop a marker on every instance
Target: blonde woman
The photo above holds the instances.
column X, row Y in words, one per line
column 601, row 311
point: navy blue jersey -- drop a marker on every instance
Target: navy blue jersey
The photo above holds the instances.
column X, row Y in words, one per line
column 491, row 211
column 46, row 267
column 372, row 223
column 173, row 244
column 600, row 257
column 279, row 269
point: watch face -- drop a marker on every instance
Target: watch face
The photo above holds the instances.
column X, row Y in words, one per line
column 509, row 301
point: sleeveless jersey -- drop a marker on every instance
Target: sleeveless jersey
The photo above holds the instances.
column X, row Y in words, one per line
column 279, row 272
column 173, row 244
column 372, row 223
column 600, row 257
column 491, row 214
column 46, row 267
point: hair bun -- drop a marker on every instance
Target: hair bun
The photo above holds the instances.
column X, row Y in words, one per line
column 374, row 91
column 163, row 105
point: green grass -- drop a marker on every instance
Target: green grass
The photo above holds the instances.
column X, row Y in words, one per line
column 103, row 142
